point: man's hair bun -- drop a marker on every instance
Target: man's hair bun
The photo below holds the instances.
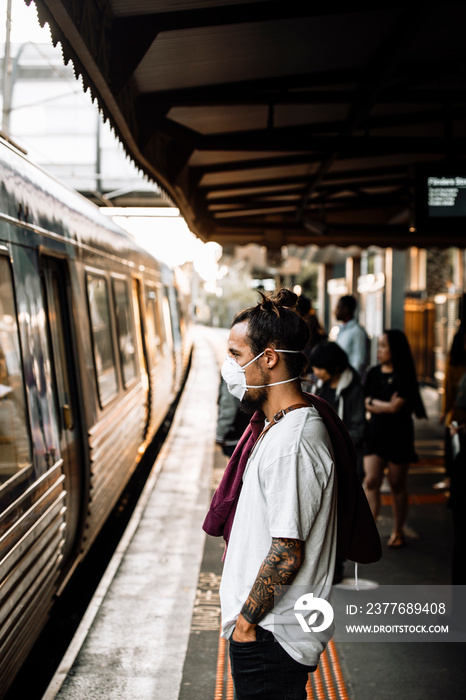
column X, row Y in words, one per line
column 283, row 299
column 286, row 298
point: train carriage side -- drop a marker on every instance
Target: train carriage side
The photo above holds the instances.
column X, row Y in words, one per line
column 85, row 381
column 178, row 324
column 184, row 300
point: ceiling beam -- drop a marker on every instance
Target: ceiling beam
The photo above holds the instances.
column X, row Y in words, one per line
column 387, row 121
column 221, row 95
column 132, row 35
column 335, row 127
column 324, row 188
column 291, row 180
column 149, row 124
column 247, row 90
column 231, row 14
column 303, row 88
column 340, row 203
column 282, row 161
column 375, row 235
column 231, row 166
column 289, row 138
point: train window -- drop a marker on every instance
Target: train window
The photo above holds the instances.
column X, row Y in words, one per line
column 179, row 310
column 15, row 448
column 163, row 330
column 153, row 325
column 175, row 322
column 167, row 319
column 140, row 345
column 125, row 330
column 99, row 308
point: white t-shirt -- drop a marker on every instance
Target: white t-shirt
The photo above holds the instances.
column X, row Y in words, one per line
column 289, row 490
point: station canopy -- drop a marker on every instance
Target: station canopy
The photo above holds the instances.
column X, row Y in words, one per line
column 279, row 122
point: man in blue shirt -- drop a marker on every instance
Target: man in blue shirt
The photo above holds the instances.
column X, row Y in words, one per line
column 351, row 337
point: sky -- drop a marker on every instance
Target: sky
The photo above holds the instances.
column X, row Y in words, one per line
column 25, row 25
column 167, row 237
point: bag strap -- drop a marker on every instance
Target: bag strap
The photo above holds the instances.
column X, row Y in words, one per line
column 277, row 417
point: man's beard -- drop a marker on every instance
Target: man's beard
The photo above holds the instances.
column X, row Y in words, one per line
column 250, row 404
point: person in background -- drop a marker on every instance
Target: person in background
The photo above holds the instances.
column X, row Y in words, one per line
column 392, row 396
column 340, row 385
column 317, row 334
column 231, row 421
column 351, row 336
column 457, row 503
column 453, row 401
column 316, row 331
column 454, row 418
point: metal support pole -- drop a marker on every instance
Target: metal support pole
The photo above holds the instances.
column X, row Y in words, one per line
column 7, row 68
column 98, row 156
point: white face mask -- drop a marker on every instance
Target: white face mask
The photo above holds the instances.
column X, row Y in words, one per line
column 235, row 377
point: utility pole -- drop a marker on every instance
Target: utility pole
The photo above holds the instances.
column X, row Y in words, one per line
column 7, row 69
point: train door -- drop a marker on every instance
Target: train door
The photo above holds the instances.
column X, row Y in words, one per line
column 141, row 346
column 54, row 276
column 169, row 333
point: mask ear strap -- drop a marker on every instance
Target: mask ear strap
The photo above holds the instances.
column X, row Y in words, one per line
column 297, row 352
column 253, row 360
column 261, row 386
column 260, row 355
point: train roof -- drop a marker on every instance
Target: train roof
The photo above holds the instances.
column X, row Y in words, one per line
column 48, row 205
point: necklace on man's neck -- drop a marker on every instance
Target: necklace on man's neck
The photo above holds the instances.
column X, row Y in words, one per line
column 277, row 417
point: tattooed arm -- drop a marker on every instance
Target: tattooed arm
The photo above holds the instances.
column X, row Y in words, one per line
column 278, row 569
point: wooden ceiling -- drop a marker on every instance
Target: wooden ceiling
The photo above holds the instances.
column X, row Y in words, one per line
column 278, row 122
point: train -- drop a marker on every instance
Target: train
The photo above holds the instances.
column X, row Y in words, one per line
column 95, row 341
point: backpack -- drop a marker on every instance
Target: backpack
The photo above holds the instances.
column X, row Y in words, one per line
column 357, row 535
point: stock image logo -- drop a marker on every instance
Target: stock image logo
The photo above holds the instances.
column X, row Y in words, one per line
column 308, row 604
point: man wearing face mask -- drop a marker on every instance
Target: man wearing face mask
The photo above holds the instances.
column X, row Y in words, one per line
column 283, row 537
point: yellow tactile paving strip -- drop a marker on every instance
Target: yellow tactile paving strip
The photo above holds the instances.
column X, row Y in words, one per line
column 326, row 683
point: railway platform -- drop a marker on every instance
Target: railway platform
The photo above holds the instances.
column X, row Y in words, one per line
column 152, row 629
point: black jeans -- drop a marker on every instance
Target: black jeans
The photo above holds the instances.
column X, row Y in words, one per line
column 262, row 670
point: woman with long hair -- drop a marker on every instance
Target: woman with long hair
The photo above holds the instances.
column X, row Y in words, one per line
column 392, row 396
